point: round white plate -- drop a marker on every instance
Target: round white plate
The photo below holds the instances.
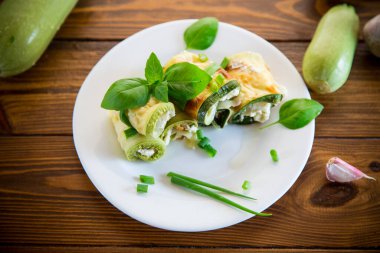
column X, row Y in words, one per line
column 243, row 151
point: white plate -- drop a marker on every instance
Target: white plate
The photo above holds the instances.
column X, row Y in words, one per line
column 243, row 151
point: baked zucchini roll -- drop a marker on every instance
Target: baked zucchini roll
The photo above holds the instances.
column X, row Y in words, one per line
column 181, row 126
column 134, row 145
column 150, row 120
column 204, row 107
column 259, row 91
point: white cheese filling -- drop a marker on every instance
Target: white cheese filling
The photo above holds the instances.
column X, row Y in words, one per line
column 258, row 111
column 229, row 95
column 178, row 133
column 161, row 123
column 210, row 115
column 146, row 152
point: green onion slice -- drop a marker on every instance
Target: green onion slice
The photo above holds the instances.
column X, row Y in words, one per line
column 192, row 186
column 130, row 132
column 143, row 188
column 215, row 187
column 246, row 185
column 274, row 155
column 225, row 62
column 202, row 57
column 146, row 179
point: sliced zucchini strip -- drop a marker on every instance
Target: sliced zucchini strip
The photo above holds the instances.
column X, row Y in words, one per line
column 150, row 120
column 258, row 110
column 207, row 110
column 179, row 127
column 259, row 91
column 136, row 147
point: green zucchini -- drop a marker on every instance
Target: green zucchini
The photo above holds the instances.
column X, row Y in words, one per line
column 222, row 117
column 208, row 109
column 26, row 29
column 150, row 120
column 178, row 127
column 134, row 145
column 245, row 116
column 328, row 59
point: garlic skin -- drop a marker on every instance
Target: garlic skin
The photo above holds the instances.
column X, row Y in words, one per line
column 338, row 170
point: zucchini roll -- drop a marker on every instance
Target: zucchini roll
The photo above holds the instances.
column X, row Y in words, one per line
column 180, row 126
column 259, row 91
column 150, row 120
column 205, row 106
column 134, row 145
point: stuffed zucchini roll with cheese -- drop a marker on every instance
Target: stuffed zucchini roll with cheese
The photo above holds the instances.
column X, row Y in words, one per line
column 134, row 145
column 259, row 91
column 181, row 126
column 204, row 107
column 150, row 120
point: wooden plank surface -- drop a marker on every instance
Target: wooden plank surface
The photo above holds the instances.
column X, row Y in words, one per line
column 119, row 249
column 41, row 100
column 47, row 199
column 48, row 204
column 273, row 20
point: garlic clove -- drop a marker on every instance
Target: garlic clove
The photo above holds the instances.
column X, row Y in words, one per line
column 338, row 170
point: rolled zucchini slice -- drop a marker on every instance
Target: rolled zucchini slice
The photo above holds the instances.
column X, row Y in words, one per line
column 259, row 91
column 134, row 145
column 150, row 120
column 181, row 126
column 207, row 110
column 204, row 107
column 257, row 110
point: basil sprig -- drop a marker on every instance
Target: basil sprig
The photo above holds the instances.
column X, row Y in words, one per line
column 182, row 81
column 297, row 113
column 201, row 34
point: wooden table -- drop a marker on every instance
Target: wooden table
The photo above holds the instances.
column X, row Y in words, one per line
column 48, row 204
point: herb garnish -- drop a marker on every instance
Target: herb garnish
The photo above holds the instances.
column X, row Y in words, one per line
column 182, row 82
column 297, row 113
column 201, row 34
column 182, row 181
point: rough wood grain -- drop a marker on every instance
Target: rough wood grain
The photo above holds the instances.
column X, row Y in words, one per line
column 273, row 20
column 46, row 198
column 119, row 249
column 41, row 100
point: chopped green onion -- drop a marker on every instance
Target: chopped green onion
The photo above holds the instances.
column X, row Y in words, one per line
column 146, row 179
column 212, row 68
column 274, row 155
column 246, row 185
column 202, row 57
column 143, row 188
column 189, row 185
column 225, row 62
column 130, row 132
column 203, row 142
column 219, row 80
column 199, row 134
column 211, row 151
column 215, row 187
column 214, row 86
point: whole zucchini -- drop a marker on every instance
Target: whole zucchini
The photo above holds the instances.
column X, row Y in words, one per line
column 26, row 29
column 328, row 59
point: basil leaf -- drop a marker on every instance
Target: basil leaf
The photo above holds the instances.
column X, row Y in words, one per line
column 126, row 94
column 124, row 118
column 160, row 91
column 153, row 69
column 297, row 113
column 201, row 34
column 185, row 81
